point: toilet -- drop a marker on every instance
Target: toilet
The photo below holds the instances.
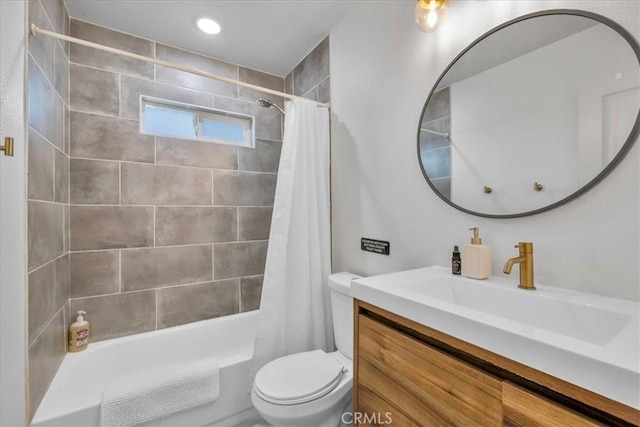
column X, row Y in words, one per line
column 312, row 388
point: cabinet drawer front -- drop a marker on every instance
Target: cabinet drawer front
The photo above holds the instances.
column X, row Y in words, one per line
column 523, row 408
column 429, row 386
column 375, row 411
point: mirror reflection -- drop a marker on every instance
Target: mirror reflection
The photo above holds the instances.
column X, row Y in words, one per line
column 530, row 115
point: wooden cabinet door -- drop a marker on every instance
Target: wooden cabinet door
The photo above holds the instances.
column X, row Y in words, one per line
column 421, row 384
column 523, row 408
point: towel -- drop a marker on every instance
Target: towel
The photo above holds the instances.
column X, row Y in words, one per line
column 156, row 394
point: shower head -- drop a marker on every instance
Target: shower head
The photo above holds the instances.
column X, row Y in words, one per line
column 267, row 103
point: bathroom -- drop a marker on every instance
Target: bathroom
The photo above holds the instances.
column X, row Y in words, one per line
column 80, row 231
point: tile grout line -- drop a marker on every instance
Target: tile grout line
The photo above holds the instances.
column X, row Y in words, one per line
column 154, row 226
column 120, row 271
column 46, row 326
column 156, row 303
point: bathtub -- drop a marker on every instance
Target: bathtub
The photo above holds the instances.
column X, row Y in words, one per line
column 73, row 399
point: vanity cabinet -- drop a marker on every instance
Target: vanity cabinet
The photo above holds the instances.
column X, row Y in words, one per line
column 521, row 407
column 403, row 375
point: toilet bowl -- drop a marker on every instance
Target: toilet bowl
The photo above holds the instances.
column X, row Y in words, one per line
column 312, row 388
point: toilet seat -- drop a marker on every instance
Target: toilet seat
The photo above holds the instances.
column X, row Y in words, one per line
column 298, row 378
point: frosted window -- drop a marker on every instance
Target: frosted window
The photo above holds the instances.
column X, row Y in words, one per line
column 220, row 130
column 167, row 122
column 183, row 121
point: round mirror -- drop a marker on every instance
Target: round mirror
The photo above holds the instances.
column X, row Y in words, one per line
column 532, row 114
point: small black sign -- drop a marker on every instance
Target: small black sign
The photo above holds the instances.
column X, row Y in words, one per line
column 375, row 246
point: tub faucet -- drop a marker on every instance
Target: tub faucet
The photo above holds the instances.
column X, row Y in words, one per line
column 525, row 259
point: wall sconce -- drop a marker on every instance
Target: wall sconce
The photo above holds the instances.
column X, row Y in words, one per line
column 429, row 14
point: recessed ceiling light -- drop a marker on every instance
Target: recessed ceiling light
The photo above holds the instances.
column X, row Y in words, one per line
column 208, row 26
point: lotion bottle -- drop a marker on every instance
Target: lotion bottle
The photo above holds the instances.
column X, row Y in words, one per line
column 476, row 258
column 79, row 333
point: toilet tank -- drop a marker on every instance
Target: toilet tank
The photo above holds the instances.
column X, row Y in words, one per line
column 342, row 309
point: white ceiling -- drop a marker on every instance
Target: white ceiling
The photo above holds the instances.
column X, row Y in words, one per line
column 268, row 35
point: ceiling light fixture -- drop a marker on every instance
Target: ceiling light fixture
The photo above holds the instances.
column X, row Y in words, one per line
column 208, row 26
column 429, row 14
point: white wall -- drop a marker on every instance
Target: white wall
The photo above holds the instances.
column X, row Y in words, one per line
column 382, row 69
column 13, row 230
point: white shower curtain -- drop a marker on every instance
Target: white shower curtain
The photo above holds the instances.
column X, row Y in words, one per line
column 295, row 310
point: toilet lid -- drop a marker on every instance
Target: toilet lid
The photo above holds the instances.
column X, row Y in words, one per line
column 298, row 378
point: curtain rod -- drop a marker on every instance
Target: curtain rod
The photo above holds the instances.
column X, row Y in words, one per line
column 35, row 30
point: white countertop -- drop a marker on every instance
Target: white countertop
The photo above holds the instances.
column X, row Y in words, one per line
column 588, row 340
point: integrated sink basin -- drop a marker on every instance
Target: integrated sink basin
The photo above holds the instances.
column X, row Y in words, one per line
column 588, row 340
column 568, row 317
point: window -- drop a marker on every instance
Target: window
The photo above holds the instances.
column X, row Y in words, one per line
column 160, row 117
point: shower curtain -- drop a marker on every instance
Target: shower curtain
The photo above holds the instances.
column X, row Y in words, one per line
column 295, row 310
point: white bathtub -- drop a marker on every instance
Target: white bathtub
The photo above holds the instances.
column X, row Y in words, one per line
column 73, row 399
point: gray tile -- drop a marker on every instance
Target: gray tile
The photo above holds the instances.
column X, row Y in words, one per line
column 190, row 225
column 94, row 91
column 199, row 62
column 45, row 356
column 110, row 227
column 313, row 69
column 192, row 153
column 66, row 130
column 259, row 78
column 45, row 107
column 94, row 273
column 165, row 185
column 41, row 158
column 61, row 191
column 288, row 83
column 133, row 87
column 438, row 105
column 239, row 259
column 443, row 185
column 431, row 141
column 437, row 163
column 66, row 219
column 157, row 267
column 250, row 293
column 46, row 232
column 311, row 94
column 61, row 73
column 48, row 292
column 324, row 90
column 66, row 30
column 268, row 120
column 113, row 316
column 185, row 304
column 110, row 138
column 254, row 223
column 110, row 61
column 55, row 10
column 243, row 189
column 265, row 157
column 95, row 182
column 41, row 47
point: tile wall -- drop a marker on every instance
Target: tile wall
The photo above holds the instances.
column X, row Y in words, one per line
column 163, row 231
column 310, row 78
column 141, row 232
column 48, row 196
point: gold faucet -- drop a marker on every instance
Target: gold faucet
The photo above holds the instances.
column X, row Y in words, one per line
column 525, row 259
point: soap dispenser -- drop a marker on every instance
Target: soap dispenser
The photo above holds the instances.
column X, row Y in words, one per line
column 476, row 258
column 79, row 333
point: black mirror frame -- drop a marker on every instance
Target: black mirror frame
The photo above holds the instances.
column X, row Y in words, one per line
column 633, row 135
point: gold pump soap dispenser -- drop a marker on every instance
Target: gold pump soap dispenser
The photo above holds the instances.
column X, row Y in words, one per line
column 476, row 258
